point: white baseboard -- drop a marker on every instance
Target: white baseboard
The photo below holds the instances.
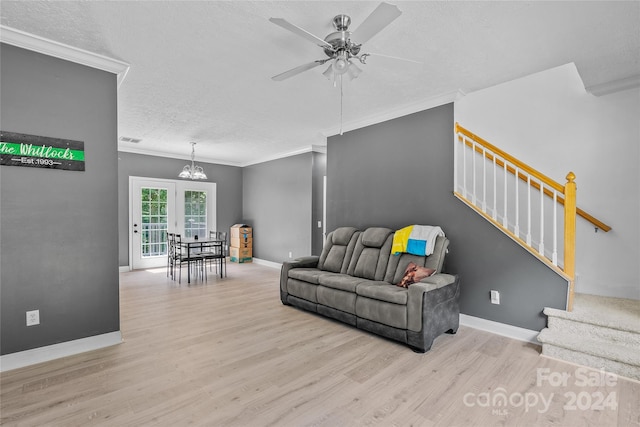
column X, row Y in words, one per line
column 124, row 269
column 266, row 263
column 498, row 328
column 56, row 351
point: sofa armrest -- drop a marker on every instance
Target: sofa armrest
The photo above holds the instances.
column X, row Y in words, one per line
column 305, row 261
column 431, row 289
column 435, row 281
column 302, row 262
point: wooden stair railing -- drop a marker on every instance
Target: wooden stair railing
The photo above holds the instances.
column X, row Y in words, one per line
column 564, row 195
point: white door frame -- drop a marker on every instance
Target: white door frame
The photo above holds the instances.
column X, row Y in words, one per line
column 176, row 226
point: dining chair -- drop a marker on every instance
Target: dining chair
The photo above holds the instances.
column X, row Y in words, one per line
column 181, row 257
column 222, row 235
column 214, row 252
column 171, row 252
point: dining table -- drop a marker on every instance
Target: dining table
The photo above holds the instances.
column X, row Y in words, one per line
column 193, row 245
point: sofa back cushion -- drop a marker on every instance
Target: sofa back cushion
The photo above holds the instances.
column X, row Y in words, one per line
column 371, row 253
column 398, row 263
column 338, row 249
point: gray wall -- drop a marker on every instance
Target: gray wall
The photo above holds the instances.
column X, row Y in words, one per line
column 228, row 181
column 59, row 249
column 277, row 199
column 399, row 173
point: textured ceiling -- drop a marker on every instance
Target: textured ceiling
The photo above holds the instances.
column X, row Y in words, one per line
column 201, row 70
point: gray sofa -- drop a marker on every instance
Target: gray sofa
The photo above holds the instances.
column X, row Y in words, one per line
column 355, row 280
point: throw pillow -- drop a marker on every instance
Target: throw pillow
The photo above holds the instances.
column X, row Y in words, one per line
column 414, row 274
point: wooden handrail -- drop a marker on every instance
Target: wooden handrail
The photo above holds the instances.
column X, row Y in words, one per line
column 528, row 169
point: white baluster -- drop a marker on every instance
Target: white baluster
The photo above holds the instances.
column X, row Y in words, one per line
column 484, row 180
column 504, row 214
column 516, row 229
column 528, row 209
column 473, row 160
column 464, row 167
column 495, row 189
column 554, row 256
column 541, row 245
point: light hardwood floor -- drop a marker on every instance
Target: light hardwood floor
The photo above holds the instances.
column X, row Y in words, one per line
column 228, row 353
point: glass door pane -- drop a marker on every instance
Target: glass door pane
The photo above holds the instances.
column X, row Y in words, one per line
column 153, row 239
column 195, row 213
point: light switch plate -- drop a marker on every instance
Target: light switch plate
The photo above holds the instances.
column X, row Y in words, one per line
column 495, row 297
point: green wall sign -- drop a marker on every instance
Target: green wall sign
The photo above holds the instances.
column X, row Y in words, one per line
column 19, row 149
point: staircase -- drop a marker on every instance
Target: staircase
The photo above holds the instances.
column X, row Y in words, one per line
column 600, row 332
column 534, row 210
column 539, row 214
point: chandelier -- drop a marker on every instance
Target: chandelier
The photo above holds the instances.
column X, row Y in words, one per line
column 192, row 171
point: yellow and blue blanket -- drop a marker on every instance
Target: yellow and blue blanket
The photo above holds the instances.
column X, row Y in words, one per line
column 416, row 240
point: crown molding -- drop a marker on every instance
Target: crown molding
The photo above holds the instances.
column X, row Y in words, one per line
column 307, row 149
column 45, row 46
column 319, row 149
column 167, row 155
column 311, row 148
column 403, row 110
column 614, row 86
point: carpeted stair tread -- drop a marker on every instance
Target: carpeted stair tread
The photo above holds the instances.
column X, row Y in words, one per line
column 594, row 362
column 589, row 330
column 596, row 347
column 615, row 313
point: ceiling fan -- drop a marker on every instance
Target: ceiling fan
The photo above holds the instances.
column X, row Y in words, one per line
column 339, row 47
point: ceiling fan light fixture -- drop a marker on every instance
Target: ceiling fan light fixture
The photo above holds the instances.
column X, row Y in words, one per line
column 341, row 63
column 331, row 75
column 328, row 73
column 353, row 71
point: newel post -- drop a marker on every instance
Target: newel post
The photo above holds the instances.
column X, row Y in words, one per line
column 570, row 235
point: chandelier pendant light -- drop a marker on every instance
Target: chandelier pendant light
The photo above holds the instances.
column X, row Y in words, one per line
column 192, row 171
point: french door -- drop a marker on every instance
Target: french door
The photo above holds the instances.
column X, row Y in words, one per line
column 160, row 206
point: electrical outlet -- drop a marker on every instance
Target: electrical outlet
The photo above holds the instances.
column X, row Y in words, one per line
column 495, row 297
column 319, row 224
column 33, row 317
column 290, row 255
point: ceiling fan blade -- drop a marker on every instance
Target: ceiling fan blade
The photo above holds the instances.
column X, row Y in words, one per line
column 298, row 70
column 393, row 57
column 382, row 16
column 301, row 32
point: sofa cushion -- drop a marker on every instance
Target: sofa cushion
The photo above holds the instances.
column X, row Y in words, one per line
column 340, row 281
column 382, row 291
column 307, row 274
column 398, row 263
column 374, row 237
column 414, row 273
column 337, row 299
column 337, row 250
column 382, row 312
column 436, row 259
column 342, row 235
column 302, row 290
column 371, row 253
